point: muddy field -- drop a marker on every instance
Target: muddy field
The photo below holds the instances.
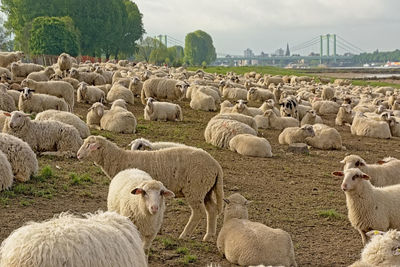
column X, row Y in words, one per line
column 294, row 192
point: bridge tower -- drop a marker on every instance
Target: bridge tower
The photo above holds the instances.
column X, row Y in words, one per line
column 327, row 38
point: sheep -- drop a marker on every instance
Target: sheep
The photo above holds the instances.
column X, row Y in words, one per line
column 14, row 94
column 41, row 76
column 91, row 78
column 275, row 80
column 270, row 104
column 24, row 69
column 325, row 138
column 202, row 101
column 259, row 95
column 106, row 74
column 328, row 93
column 226, row 107
column 93, row 117
column 369, row 207
column 6, row 175
column 64, row 63
column 35, row 103
column 380, row 174
column 208, row 90
column 382, row 250
column 344, row 115
column 292, row 135
column 362, row 126
column 244, row 242
column 136, row 86
column 118, row 119
column 89, row 94
column 134, row 194
column 7, row 59
column 67, row 118
column 162, row 111
column 186, row 171
column 250, row 145
column 144, row 144
column 311, row 118
column 289, row 108
column 161, row 88
column 279, row 123
column 394, row 126
column 118, row 91
column 220, row 131
column 44, row 136
column 101, row 239
column 241, row 108
column 325, row 107
column 234, row 93
column 250, row 121
column 55, row 88
column 5, row 75
column 7, row 102
column 20, row 155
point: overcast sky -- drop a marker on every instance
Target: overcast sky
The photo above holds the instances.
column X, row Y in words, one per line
column 266, row 25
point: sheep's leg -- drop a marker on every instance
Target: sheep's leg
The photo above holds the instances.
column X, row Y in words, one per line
column 363, row 236
column 198, row 209
column 94, row 126
column 212, row 215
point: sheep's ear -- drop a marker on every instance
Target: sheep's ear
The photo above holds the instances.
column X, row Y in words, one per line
column 359, row 163
column 338, row 173
column 138, row 191
column 343, row 162
column 364, row 176
column 94, row 146
column 374, row 232
column 167, row 193
column 7, row 114
column 380, row 162
column 227, row 201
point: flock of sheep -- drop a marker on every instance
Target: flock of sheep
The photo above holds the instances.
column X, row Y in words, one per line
column 151, row 172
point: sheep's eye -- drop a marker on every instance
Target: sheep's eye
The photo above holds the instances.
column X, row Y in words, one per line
column 162, row 192
column 354, row 177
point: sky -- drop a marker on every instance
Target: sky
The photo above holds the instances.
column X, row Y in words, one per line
column 266, row 25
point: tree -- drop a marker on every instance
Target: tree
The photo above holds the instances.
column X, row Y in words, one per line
column 53, row 36
column 5, row 42
column 198, row 48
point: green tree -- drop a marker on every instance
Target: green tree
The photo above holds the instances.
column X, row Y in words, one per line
column 198, row 48
column 53, row 35
column 145, row 48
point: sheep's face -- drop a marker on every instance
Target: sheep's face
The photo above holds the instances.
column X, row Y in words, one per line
column 308, row 130
column 312, row 113
column 17, row 119
column 252, row 91
column 182, row 87
column 140, row 144
column 73, row 73
column 27, row 93
column 236, row 207
column 98, row 108
column 353, row 161
column 352, row 178
column 152, row 194
column 135, row 80
column 89, row 146
column 384, row 244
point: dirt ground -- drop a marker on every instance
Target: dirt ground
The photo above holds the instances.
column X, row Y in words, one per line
column 352, row 75
column 292, row 192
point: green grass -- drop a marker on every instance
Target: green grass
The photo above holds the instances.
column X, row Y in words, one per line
column 330, row 214
column 182, row 250
column 168, row 243
column 76, row 179
column 45, row 174
column 259, row 69
column 189, row 259
column 374, row 83
column 109, row 135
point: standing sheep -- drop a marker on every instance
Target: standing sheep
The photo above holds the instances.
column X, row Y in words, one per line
column 162, row 111
column 8, row 58
column 292, row 135
column 89, row 94
column 35, row 103
column 161, row 88
column 24, row 69
column 6, row 175
column 259, row 95
column 250, row 145
column 64, row 63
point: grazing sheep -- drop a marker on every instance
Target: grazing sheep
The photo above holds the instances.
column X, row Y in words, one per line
column 162, row 111
column 35, row 103
column 6, row 174
column 64, row 63
column 380, row 174
column 250, row 145
column 93, row 117
column 311, row 118
column 259, row 95
column 279, row 123
column 118, row 119
column 7, row 102
column 144, row 144
column 92, row 240
column 41, row 76
column 270, row 105
column 186, row 171
column 118, row 91
column 245, row 243
column 8, row 58
column 292, row 135
column 234, row 93
column 161, row 88
column 134, row 194
column 344, row 115
column 67, row 118
column 91, row 78
column 250, row 121
column 202, row 101
column 89, row 94
column 20, row 155
column 44, row 136
column 325, row 138
column 363, row 126
column 24, row 69
column 369, row 207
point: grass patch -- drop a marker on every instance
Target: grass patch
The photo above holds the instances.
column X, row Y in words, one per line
column 26, row 202
column 109, row 135
column 45, row 173
column 182, row 250
column 180, row 201
column 330, row 214
column 168, row 243
column 76, row 179
column 189, row 259
column 374, row 83
column 259, row 69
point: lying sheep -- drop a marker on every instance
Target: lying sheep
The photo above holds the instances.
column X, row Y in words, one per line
column 279, row 123
column 14, row 94
column 344, row 115
column 89, row 94
column 35, row 103
column 245, row 243
column 160, row 88
column 270, row 105
column 325, row 107
column 186, row 171
column 21, row 157
column 202, row 101
column 241, row 108
column 250, row 121
column 7, row 102
column 106, row 74
column 93, row 117
column 208, row 90
column 6, row 175
column 144, row 144
column 370, row 207
column 24, row 69
column 226, row 107
column 118, row 91
column 91, row 78
column 311, row 118
column 325, row 138
column 292, row 135
column 8, row 58
column 380, row 174
column 162, row 111
column 134, row 194
column 328, row 93
column 67, row 118
column 259, row 95
column 250, row 145
column 362, row 126
column 234, row 93
column 136, row 86
column 275, row 80
column 118, row 119
column 41, row 76
column 44, row 136
column 112, row 240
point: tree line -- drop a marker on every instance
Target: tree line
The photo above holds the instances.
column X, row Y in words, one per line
column 377, row 57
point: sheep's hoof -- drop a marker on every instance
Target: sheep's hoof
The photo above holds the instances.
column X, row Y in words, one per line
column 298, row 148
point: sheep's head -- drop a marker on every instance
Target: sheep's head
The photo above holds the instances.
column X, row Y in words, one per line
column 352, row 178
column 26, row 93
column 119, row 103
column 17, row 119
column 73, row 73
column 383, row 249
column 14, row 66
column 312, row 113
column 270, row 103
column 5, row 78
column 98, row 108
column 252, row 90
column 182, row 87
column 135, row 80
column 353, row 161
column 50, row 71
column 385, row 116
column 236, row 207
column 90, row 146
column 308, row 130
column 152, row 193
column 141, row 144
column 241, row 105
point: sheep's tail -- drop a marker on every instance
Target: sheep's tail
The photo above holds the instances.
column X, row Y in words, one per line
column 218, row 189
column 143, row 97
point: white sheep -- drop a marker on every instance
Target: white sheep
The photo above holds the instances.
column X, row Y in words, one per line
column 202, row 101
column 144, row 144
column 162, row 111
column 64, row 63
column 270, row 104
column 311, row 118
column 136, row 86
column 325, row 107
column 208, row 90
column 7, row 102
column 292, row 135
column 93, row 117
column 91, row 78
column 134, row 194
column 118, row 119
column 344, row 115
column 44, row 136
column 250, row 121
column 65, row 117
column 279, row 123
column 328, row 93
column 226, row 107
column 41, row 76
column 241, row 108
column 369, row 207
column 8, row 58
column 186, row 171
column 325, row 138
column 24, row 69
column 93, row 240
column 35, row 103
column 363, row 126
column 245, row 243
column 6, row 174
column 259, row 95
column 234, row 93
column 250, row 145
column 89, row 94
column 118, row 91
column 161, row 88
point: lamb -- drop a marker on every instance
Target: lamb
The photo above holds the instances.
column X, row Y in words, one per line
column 250, row 121
column 244, row 242
column 186, row 171
column 380, row 174
column 202, row 101
column 67, row 118
column 134, row 194
column 35, row 103
column 219, row 132
column 64, row 63
column 91, row 78
column 8, row 58
column 55, row 88
column 44, row 136
column 21, row 157
column 136, row 86
column 89, row 94
column 7, row 102
column 259, row 95
column 369, row 207
column 362, row 126
column 234, row 93
column 325, row 138
column 6, row 175
column 162, row 111
column 118, row 119
column 270, row 104
column 112, row 240
column 311, row 118
column 24, row 69
column 144, row 144
column 161, row 88
column 118, row 91
column 93, row 117
column 41, row 76
column 250, row 145
column 279, row 123
column 344, row 115
column 292, row 135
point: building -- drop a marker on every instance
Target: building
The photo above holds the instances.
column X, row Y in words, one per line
column 248, row 53
column 280, row 52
